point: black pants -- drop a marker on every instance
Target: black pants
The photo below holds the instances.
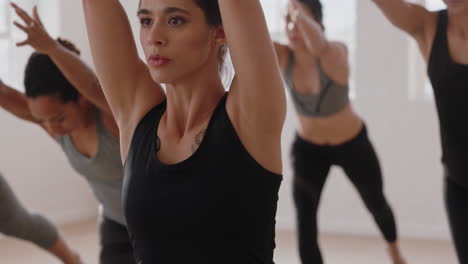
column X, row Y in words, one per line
column 456, row 203
column 115, row 244
column 312, row 164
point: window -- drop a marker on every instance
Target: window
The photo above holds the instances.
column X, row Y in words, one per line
column 4, row 38
column 13, row 58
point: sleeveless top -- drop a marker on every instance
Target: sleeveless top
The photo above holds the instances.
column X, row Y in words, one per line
column 450, row 84
column 331, row 99
column 217, row 206
column 104, row 172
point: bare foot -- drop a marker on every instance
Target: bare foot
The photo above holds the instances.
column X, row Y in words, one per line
column 398, row 260
column 75, row 259
column 395, row 254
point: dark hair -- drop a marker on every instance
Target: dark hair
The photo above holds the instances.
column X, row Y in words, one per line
column 211, row 10
column 43, row 78
column 213, row 18
column 316, row 8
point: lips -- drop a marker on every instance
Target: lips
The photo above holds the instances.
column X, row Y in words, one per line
column 158, row 60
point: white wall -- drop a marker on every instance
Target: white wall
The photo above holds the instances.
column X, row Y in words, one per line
column 405, row 134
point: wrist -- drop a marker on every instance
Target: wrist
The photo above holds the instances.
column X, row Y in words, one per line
column 52, row 47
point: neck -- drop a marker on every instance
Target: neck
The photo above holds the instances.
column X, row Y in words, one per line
column 88, row 117
column 191, row 101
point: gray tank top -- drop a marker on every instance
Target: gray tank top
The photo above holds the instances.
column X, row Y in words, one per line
column 104, row 172
column 331, row 99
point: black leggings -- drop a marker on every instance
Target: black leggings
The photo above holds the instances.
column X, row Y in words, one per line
column 311, row 167
column 456, row 203
column 115, row 244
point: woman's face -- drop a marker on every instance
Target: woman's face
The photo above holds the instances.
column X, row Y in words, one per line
column 457, row 6
column 176, row 39
column 57, row 117
column 295, row 39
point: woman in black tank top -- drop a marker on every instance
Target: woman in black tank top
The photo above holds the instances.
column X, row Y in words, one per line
column 202, row 167
column 441, row 38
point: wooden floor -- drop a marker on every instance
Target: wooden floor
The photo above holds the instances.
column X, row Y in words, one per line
column 337, row 249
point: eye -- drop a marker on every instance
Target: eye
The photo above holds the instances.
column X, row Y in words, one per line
column 175, row 21
column 145, row 21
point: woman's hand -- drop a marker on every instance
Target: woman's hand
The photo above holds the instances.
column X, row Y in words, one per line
column 37, row 36
column 304, row 31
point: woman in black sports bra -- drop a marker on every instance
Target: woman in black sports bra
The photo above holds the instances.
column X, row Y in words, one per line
column 202, row 167
column 330, row 133
column 441, row 37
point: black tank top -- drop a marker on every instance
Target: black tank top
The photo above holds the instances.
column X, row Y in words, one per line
column 217, row 206
column 450, row 83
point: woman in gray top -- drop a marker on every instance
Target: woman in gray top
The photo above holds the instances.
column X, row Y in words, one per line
column 16, row 221
column 330, row 133
column 81, row 124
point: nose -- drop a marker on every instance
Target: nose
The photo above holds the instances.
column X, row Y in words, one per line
column 157, row 35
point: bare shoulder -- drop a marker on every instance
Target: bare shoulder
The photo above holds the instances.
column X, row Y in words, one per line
column 425, row 41
column 341, row 46
column 335, row 62
column 282, row 54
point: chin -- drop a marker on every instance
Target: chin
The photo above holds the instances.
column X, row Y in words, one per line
column 166, row 75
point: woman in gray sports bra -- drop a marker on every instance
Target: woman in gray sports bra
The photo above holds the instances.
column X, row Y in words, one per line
column 63, row 96
column 316, row 72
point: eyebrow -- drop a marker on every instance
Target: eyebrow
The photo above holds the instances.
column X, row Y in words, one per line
column 168, row 10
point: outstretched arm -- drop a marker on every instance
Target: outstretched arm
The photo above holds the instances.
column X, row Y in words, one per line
column 408, row 17
column 73, row 68
column 15, row 103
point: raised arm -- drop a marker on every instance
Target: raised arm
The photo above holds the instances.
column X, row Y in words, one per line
column 15, row 103
column 74, row 69
column 332, row 55
column 411, row 18
column 257, row 92
column 257, row 101
column 124, row 78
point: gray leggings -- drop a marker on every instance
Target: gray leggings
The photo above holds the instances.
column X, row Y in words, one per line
column 16, row 221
